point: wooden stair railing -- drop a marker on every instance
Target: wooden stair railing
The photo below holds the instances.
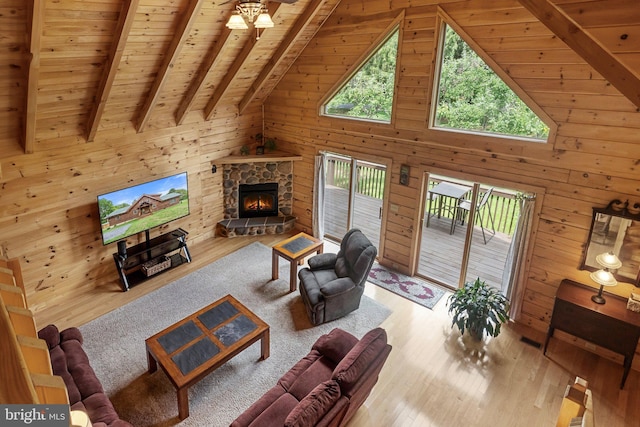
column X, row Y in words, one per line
column 26, row 366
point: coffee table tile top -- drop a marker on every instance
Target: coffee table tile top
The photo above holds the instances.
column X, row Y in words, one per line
column 235, row 330
column 195, row 355
column 179, row 337
column 298, row 244
column 217, row 315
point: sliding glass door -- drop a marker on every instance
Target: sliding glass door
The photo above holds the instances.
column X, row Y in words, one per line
column 467, row 231
column 353, row 197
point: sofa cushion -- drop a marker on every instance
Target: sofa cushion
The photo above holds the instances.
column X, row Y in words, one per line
column 315, row 405
column 316, row 373
column 335, row 345
column 361, row 356
column 276, row 413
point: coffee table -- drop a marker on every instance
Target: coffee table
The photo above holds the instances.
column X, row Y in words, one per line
column 294, row 249
column 191, row 349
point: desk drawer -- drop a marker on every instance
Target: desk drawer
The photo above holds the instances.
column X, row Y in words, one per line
column 594, row 327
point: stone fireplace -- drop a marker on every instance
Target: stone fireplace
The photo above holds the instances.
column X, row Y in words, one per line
column 258, row 197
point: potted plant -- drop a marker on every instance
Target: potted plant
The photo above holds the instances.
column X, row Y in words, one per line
column 270, row 144
column 478, row 308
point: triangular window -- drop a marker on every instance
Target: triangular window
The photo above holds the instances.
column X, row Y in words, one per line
column 472, row 97
column 368, row 94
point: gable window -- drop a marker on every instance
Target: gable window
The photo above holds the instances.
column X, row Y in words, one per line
column 368, row 94
column 472, row 97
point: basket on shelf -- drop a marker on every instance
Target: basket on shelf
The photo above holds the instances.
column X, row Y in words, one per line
column 156, row 265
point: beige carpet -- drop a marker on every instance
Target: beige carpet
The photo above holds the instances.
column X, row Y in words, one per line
column 115, row 341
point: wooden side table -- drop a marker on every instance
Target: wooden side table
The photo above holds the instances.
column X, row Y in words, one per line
column 294, row 249
column 608, row 325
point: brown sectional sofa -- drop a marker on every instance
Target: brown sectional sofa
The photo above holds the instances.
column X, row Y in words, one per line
column 326, row 387
column 69, row 361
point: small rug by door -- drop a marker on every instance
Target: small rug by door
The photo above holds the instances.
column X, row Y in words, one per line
column 410, row 288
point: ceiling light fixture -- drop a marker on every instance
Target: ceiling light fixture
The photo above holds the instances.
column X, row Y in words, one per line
column 254, row 12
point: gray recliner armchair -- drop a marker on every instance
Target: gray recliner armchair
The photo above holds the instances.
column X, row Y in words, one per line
column 333, row 284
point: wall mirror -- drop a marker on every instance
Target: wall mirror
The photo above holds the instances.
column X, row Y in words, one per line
column 616, row 229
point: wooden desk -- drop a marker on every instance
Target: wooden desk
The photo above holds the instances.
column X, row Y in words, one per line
column 608, row 325
column 294, row 249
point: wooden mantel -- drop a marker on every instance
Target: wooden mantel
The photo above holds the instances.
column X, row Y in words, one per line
column 273, row 156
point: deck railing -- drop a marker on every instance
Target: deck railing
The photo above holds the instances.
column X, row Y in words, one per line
column 503, row 204
column 370, row 178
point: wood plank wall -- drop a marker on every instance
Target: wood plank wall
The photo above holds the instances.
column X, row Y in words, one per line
column 48, row 211
column 591, row 160
column 48, row 207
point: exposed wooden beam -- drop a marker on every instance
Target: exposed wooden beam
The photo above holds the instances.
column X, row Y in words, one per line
column 212, row 59
column 294, row 37
column 601, row 59
column 230, row 74
column 188, row 18
column 36, row 22
column 125, row 22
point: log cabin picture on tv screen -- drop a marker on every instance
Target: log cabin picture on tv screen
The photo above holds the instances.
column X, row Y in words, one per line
column 144, row 206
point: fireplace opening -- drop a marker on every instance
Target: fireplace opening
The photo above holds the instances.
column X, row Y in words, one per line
column 256, row 200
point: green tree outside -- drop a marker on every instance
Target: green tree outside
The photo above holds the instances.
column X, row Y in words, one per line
column 369, row 93
column 472, row 97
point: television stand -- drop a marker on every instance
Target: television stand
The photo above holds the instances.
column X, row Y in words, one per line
column 144, row 260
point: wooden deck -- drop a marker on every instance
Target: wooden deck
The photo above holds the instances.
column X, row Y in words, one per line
column 441, row 252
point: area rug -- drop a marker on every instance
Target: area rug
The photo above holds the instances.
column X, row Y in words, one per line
column 410, row 288
column 116, row 348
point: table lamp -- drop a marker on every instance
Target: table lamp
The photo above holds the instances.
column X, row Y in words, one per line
column 604, row 277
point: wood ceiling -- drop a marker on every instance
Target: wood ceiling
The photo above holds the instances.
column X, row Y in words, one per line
column 91, row 65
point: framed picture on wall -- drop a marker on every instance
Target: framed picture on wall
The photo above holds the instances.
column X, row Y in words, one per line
column 404, row 174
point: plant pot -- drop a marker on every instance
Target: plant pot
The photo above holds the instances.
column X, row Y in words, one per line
column 476, row 335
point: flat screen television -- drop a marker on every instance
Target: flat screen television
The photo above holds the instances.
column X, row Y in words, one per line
column 141, row 207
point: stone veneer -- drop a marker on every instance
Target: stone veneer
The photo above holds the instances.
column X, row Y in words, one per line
column 257, row 173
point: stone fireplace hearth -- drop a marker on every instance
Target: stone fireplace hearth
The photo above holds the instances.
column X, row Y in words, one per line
column 239, row 173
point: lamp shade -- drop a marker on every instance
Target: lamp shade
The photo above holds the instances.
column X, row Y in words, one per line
column 603, row 278
column 236, row 22
column 263, row 21
column 609, row 260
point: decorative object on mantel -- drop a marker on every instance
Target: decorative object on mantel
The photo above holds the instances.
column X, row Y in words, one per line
column 264, row 142
column 616, row 229
column 244, row 150
column 478, row 308
column 604, row 277
column 633, row 303
column 270, row 144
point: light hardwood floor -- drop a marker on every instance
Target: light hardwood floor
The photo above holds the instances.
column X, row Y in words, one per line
column 432, row 376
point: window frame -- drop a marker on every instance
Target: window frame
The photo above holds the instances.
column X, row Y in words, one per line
column 444, row 20
column 376, row 45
